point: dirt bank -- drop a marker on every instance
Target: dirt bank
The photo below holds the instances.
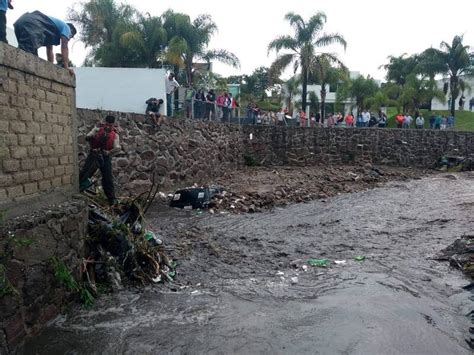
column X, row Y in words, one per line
column 254, row 189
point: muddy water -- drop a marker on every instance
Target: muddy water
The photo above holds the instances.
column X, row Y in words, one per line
column 236, row 293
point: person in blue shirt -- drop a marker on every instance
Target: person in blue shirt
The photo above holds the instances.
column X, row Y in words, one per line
column 4, row 6
column 34, row 30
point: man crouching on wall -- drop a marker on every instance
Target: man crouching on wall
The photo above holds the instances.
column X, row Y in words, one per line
column 104, row 142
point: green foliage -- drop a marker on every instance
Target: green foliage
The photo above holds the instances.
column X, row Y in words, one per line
column 361, row 89
column 302, row 47
column 64, row 277
column 6, row 288
column 250, row 160
column 120, row 36
column 269, row 106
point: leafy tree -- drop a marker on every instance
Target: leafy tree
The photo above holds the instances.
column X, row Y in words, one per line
column 399, row 68
column 327, row 69
column 361, row 89
column 302, row 47
column 291, row 89
column 189, row 40
column 459, row 64
column 146, row 41
column 102, row 24
column 378, row 100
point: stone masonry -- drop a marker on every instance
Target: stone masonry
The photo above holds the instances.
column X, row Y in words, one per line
column 396, row 147
column 30, row 294
column 179, row 153
column 38, row 159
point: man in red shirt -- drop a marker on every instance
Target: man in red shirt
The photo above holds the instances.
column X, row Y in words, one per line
column 349, row 119
column 399, row 120
column 104, row 141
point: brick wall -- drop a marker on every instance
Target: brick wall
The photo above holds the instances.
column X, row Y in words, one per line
column 38, row 162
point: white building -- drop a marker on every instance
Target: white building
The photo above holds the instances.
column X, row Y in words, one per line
column 468, row 95
column 349, row 103
column 119, row 89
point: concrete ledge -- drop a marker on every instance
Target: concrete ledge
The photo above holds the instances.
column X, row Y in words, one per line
column 28, row 204
column 20, row 60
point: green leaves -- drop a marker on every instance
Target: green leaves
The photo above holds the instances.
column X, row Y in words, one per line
column 120, row 36
column 302, row 48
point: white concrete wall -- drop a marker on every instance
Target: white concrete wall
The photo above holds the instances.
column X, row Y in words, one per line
column 119, row 89
column 438, row 105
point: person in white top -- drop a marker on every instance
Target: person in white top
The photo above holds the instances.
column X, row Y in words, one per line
column 420, row 121
column 171, row 85
column 365, row 118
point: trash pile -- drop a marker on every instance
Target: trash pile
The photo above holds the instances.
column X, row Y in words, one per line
column 195, row 197
column 256, row 189
column 460, row 254
column 122, row 251
column 454, row 163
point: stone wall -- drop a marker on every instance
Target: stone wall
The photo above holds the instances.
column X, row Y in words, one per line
column 180, row 152
column 398, row 147
column 37, row 144
column 30, row 294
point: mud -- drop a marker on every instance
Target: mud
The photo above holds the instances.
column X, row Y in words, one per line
column 255, row 189
column 237, row 292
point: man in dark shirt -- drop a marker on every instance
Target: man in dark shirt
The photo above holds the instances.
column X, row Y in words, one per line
column 34, row 30
column 210, row 101
column 153, row 110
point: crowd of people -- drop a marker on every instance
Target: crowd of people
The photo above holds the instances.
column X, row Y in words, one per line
column 211, row 106
column 435, row 121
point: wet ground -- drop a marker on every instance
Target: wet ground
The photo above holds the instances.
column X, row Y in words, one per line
column 237, row 291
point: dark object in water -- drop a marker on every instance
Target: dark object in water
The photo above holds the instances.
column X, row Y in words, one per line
column 196, row 197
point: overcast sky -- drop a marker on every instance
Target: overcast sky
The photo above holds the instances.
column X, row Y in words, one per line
column 373, row 29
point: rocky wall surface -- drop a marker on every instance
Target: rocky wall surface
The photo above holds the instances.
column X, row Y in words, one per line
column 396, row 147
column 30, row 294
column 38, row 159
column 180, row 152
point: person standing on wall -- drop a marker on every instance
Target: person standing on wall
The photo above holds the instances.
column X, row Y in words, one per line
column 4, row 6
column 171, row 85
column 104, row 142
column 34, row 30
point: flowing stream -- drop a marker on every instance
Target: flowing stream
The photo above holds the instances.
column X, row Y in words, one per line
column 242, row 287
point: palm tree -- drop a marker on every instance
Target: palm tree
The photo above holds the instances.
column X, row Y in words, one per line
column 146, row 40
column 188, row 42
column 361, row 89
column 102, row 23
column 291, row 89
column 459, row 64
column 302, row 46
column 326, row 69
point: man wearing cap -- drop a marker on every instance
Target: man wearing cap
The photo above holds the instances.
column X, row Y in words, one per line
column 34, row 30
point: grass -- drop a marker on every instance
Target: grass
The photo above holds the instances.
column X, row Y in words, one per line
column 464, row 119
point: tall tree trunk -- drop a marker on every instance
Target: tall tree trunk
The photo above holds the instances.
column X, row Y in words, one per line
column 453, row 88
column 304, row 94
column 323, row 102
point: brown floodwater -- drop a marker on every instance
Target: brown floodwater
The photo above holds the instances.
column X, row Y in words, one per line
column 243, row 287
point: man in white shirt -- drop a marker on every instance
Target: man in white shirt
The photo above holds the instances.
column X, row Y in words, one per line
column 365, row 118
column 171, row 85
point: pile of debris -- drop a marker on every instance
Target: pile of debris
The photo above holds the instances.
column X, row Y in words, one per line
column 256, row 189
column 460, row 254
column 121, row 249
